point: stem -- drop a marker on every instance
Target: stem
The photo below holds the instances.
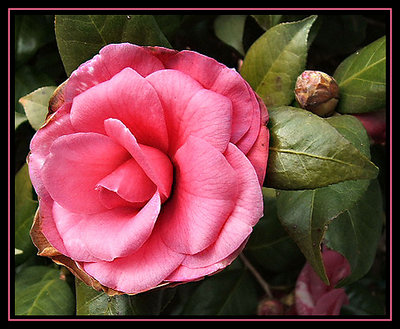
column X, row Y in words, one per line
column 257, row 275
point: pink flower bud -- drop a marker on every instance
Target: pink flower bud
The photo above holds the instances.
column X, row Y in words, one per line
column 270, row 307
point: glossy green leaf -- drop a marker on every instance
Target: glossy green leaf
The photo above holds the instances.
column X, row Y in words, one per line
column 152, row 302
column 169, row 24
column 80, row 37
column 270, row 247
column 267, row 21
column 275, row 60
column 40, row 291
column 19, row 118
column 229, row 29
column 357, row 231
column 25, row 208
column 231, row 292
column 93, row 302
column 362, row 79
column 363, row 300
column 31, row 33
column 27, row 79
column 36, row 105
column 316, row 209
column 306, row 152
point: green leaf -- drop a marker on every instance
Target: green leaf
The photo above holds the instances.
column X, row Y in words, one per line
column 363, row 300
column 152, row 302
column 25, row 208
column 19, row 118
column 229, row 29
column 40, row 291
column 275, row 60
column 269, row 246
column 31, row 33
column 362, row 79
column 36, row 105
column 93, row 302
column 353, row 130
column 80, row 37
column 169, row 24
column 231, row 292
column 307, row 214
column 267, row 21
column 295, row 211
column 356, row 233
column 306, row 152
column 27, row 79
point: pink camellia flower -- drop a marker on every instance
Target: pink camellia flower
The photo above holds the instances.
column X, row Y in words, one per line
column 149, row 168
column 313, row 296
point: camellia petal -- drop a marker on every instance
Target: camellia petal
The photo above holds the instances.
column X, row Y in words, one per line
column 111, row 59
column 56, row 125
column 258, row 154
column 154, row 163
column 238, row 226
column 200, row 112
column 76, row 163
column 222, row 80
column 313, row 296
column 106, row 235
column 140, row 271
column 185, row 274
column 123, row 97
column 130, row 182
column 331, row 302
column 204, row 195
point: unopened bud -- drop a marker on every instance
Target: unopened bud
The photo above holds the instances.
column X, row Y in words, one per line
column 270, row 307
column 317, row 92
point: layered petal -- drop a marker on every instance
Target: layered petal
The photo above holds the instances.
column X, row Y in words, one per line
column 111, row 59
column 140, row 271
column 106, row 235
column 130, row 182
column 56, row 125
column 258, row 154
column 313, row 296
column 76, row 163
column 184, row 273
column 222, row 80
column 192, row 110
column 246, row 213
column 331, row 303
column 204, row 195
column 127, row 96
column 48, row 226
column 155, row 164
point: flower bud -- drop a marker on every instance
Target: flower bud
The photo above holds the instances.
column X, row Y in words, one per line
column 317, row 92
column 270, row 307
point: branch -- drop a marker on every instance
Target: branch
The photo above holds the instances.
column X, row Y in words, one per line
column 257, row 275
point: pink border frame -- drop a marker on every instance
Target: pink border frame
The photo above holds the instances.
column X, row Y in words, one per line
column 390, row 310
